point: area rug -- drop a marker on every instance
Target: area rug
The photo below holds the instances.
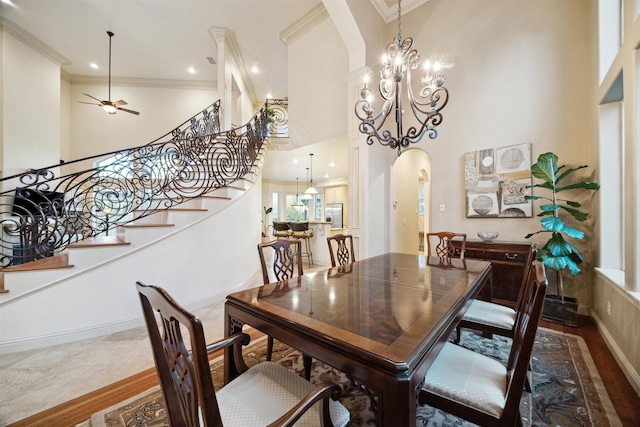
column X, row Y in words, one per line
column 567, row 389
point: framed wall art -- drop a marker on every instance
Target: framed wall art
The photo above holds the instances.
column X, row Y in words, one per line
column 496, row 181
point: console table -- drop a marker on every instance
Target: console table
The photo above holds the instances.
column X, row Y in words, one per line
column 507, row 266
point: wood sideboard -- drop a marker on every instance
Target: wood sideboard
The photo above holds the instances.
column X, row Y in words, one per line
column 508, row 261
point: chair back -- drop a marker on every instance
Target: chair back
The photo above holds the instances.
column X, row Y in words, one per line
column 339, row 251
column 185, row 377
column 281, row 229
column 287, row 258
column 523, row 340
column 300, row 230
column 526, row 280
column 440, row 244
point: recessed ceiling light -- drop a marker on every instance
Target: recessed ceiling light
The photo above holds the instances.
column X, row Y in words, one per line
column 333, row 165
column 94, row 65
column 191, row 70
column 295, row 161
column 269, row 96
column 255, row 69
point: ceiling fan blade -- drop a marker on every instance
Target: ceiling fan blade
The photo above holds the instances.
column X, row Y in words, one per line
column 121, row 102
column 128, row 111
column 90, row 103
column 92, row 97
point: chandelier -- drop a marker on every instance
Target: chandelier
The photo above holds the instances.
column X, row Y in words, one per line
column 401, row 59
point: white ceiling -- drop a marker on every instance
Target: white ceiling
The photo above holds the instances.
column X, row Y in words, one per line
column 161, row 39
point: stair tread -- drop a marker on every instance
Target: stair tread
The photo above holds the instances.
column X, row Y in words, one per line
column 142, row 225
column 98, row 241
column 207, row 196
column 49, row 263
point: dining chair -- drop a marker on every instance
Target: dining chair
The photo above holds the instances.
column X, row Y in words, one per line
column 481, row 389
column 492, row 318
column 265, row 394
column 338, row 249
column 286, row 263
column 440, row 244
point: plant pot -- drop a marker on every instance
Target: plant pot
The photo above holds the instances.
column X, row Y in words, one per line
column 557, row 311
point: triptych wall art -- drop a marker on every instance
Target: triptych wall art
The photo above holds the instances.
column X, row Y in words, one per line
column 496, row 181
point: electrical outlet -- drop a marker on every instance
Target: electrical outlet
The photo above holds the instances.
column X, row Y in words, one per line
column 442, row 208
column 608, row 308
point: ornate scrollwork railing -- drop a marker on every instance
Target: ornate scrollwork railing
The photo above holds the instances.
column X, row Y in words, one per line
column 43, row 210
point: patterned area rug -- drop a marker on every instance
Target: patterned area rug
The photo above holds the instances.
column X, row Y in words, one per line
column 567, row 390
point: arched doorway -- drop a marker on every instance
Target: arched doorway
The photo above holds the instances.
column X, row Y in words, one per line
column 410, row 191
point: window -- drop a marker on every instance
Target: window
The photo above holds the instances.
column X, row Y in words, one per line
column 317, row 207
column 275, row 204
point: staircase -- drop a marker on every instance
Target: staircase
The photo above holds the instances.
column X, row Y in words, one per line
column 175, row 213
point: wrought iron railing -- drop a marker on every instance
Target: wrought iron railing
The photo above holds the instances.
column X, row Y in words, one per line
column 44, row 210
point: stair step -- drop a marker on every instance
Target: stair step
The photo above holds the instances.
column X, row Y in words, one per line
column 207, row 196
column 98, row 241
column 144, row 225
column 48, row 263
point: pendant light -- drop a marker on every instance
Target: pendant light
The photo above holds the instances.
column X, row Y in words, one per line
column 306, row 196
column 311, row 189
column 297, row 205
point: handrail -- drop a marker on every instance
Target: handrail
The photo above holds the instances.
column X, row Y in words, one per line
column 43, row 210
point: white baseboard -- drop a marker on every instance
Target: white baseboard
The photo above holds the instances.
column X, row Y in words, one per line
column 628, row 370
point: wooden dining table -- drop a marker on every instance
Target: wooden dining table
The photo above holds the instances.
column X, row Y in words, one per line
column 381, row 321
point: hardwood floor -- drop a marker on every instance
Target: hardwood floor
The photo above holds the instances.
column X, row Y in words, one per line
column 623, row 396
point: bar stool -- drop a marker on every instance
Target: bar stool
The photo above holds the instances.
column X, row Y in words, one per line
column 281, row 230
column 301, row 230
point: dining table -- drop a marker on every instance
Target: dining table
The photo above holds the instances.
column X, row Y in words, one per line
column 381, row 321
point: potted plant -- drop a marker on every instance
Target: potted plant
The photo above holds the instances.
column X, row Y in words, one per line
column 558, row 253
column 265, row 224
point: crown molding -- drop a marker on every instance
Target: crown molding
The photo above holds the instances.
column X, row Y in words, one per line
column 30, row 40
column 143, row 82
column 302, row 25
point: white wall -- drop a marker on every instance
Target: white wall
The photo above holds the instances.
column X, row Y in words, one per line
column 93, row 131
column 30, row 108
column 317, row 68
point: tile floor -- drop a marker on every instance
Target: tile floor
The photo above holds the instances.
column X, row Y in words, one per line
column 35, row 380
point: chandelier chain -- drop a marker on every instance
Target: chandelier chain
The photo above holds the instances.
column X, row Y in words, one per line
column 399, row 23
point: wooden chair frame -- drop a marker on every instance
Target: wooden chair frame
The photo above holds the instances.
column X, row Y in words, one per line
column 520, row 304
column 287, row 262
column 444, row 248
column 517, row 364
column 185, row 376
column 340, row 251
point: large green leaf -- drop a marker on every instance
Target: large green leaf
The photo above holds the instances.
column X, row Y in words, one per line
column 546, row 167
column 587, row 185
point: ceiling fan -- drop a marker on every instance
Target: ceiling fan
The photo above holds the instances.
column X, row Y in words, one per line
column 109, row 106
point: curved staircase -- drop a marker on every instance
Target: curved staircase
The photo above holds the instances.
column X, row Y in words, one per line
column 185, row 237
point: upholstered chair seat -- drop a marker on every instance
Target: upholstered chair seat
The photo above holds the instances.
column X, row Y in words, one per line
column 487, row 313
column 471, row 378
column 266, row 391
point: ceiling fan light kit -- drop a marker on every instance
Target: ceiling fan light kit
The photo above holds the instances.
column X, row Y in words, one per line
column 108, row 105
